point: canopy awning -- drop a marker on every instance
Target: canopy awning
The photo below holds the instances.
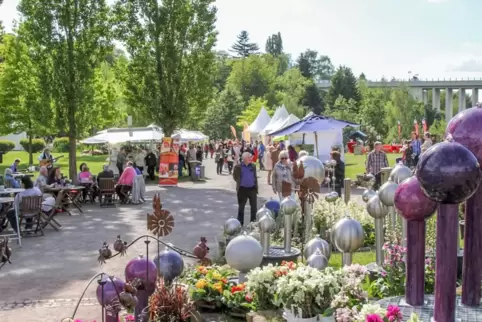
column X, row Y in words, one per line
column 314, row 123
column 260, row 122
column 279, row 117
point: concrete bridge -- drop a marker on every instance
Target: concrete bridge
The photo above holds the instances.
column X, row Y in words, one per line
column 419, row 89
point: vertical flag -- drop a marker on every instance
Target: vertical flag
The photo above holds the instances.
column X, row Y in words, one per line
column 246, row 134
column 233, row 130
column 399, row 130
column 415, row 124
column 425, row 127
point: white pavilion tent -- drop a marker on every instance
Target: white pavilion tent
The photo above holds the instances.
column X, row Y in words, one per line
column 260, row 122
column 118, row 135
column 279, row 117
column 287, row 122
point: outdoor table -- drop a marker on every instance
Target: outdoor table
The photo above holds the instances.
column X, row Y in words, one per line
column 20, row 175
column 8, row 201
column 11, row 191
column 72, row 193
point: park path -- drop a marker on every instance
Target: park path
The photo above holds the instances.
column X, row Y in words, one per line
column 49, row 273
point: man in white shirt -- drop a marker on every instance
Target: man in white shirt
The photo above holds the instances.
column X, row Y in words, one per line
column 139, row 160
column 30, row 190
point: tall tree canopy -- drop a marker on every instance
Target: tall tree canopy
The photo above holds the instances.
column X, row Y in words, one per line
column 170, row 44
column 274, row 45
column 72, row 39
column 243, row 47
column 343, row 84
column 315, row 67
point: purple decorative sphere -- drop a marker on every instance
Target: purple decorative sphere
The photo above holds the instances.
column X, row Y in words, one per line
column 274, row 206
column 143, row 269
column 448, row 173
column 411, row 203
column 466, row 129
column 111, row 290
column 170, row 264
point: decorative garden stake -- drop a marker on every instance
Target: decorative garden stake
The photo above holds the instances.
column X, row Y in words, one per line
column 448, row 173
column 465, row 128
column 267, row 225
column 308, row 193
column 386, row 194
column 244, row 253
column 347, row 190
column 400, row 173
column 288, row 208
column 377, row 210
column 263, row 211
column 348, row 237
column 415, row 207
column 317, row 260
column 315, row 244
column 369, row 180
column 108, row 295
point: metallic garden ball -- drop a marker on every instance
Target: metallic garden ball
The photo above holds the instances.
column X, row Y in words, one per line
column 376, row 208
column 288, row 206
column 244, row 253
column 400, row 173
column 267, row 224
column 317, row 260
column 111, row 289
column 368, row 194
column 313, row 167
column 412, row 203
column 332, row 196
column 386, row 193
column 170, row 264
column 302, row 153
column 448, row 173
column 263, row 211
column 143, row 269
column 348, row 235
column 232, row 226
column 317, row 243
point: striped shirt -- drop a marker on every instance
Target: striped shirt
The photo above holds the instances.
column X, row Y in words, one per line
column 376, row 160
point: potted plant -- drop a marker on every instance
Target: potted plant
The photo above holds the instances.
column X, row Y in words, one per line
column 306, row 294
column 170, row 303
column 238, row 301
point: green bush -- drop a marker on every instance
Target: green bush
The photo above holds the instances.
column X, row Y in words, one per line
column 6, row 145
column 61, row 144
column 37, row 145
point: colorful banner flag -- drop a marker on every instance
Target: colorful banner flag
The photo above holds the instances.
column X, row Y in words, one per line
column 424, row 125
column 233, row 130
column 399, row 130
column 246, row 134
column 169, row 162
column 415, row 124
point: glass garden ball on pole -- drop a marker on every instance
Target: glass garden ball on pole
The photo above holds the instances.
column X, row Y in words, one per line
column 466, row 128
column 370, row 183
column 377, row 210
column 244, row 253
column 107, row 293
column 169, row 264
column 449, row 174
column 348, row 237
column 415, row 207
column 263, row 211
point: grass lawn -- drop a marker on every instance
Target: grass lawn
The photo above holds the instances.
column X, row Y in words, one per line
column 362, row 258
column 355, row 164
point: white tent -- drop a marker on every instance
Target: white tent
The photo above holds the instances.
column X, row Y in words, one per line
column 280, row 115
column 115, row 135
column 260, row 122
column 187, row 135
column 287, row 122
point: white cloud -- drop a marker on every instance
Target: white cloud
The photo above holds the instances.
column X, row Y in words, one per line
column 467, row 66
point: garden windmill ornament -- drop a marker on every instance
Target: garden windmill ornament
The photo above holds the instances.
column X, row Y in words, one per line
column 161, row 222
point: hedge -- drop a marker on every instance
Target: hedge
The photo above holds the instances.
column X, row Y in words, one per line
column 61, row 144
column 37, row 145
column 6, row 145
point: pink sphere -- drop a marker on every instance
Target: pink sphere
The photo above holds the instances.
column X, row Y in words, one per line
column 466, row 129
column 143, row 269
column 411, row 203
column 111, row 290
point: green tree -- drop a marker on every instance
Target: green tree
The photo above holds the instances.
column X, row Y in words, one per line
column 344, row 84
column 344, row 109
column 170, row 44
column 73, row 37
column 315, row 67
column 223, row 69
column 274, row 45
column 222, row 113
column 251, row 112
column 243, row 47
column 22, row 104
column 405, row 108
column 372, row 108
column 290, row 89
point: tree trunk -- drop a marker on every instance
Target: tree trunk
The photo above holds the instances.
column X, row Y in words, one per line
column 72, row 144
column 30, row 152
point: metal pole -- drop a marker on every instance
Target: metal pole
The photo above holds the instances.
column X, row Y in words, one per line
column 287, row 233
column 265, row 242
column 393, row 216
column 308, row 216
column 347, row 259
column 379, row 241
column 347, row 189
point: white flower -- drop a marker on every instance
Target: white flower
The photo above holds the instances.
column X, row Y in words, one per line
column 368, row 309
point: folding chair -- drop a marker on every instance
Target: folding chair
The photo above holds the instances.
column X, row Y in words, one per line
column 106, row 192
column 31, row 208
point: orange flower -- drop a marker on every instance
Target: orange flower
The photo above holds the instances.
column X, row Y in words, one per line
column 218, row 287
column 238, row 288
column 225, row 281
column 203, row 270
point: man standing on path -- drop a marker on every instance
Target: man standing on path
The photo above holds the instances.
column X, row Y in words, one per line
column 261, row 150
column 376, row 160
column 244, row 175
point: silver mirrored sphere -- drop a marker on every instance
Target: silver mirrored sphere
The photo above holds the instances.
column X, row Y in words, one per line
column 348, row 235
column 263, row 211
column 288, row 206
column 317, row 243
column 368, row 194
column 317, row 260
column 327, row 180
column 302, row 153
column 313, row 167
column 386, row 193
column 244, row 253
column 267, row 224
column 376, row 208
column 329, row 164
column 369, row 181
column 400, row 173
column 331, row 196
column 232, row 226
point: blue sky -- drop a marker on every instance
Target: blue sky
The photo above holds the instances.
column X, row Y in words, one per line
column 432, row 38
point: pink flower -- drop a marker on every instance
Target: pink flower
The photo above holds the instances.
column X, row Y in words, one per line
column 129, row 317
column 393, row 313
column 374, row 318
column 383, row 273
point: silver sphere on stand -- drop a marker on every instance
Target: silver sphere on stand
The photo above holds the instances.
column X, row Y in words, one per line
column 232, row 227
column 348, row 237
column 243, row 254
column 317, row 243
column 287, row 208
column 377, row 210
column 313, row 167
column 263, row 211
column 386, row 194
column 400, row 173
column 368, row 194
column 267, row 225
column 317, row 260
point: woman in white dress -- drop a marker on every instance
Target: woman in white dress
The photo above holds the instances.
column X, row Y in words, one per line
column 268, row 162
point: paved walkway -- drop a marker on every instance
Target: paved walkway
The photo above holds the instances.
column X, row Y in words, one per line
column 49, row 273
